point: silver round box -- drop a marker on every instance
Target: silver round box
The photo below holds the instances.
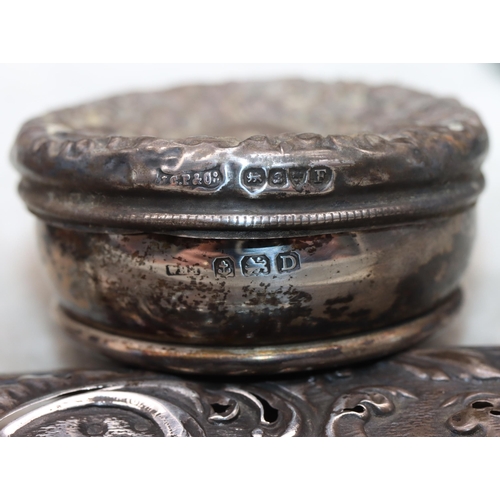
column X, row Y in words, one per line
column 260, row 227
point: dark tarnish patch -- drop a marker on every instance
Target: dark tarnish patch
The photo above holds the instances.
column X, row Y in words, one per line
column 339, row 300
column 171, row 312
column 311, row 245
column 117, row 168
column 270, row 314
column 412, row 290
column 362, row 313
column 298, row 296
column 337, row 312
column 334, row 313
column 432, row 281
column 74, row 244
column 282, row 296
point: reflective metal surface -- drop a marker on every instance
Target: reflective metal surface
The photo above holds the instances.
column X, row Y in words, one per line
column 254, row 156
column 269, row 359
column 448, row 392
column 256, row 292
column 251, row 242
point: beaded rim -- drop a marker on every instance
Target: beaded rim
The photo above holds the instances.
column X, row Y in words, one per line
column 423, row 161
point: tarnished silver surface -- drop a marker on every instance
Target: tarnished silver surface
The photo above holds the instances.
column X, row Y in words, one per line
column 316, row 155
column 270, row 359
column 449, row 392
column 166, row 221
column 235, row 292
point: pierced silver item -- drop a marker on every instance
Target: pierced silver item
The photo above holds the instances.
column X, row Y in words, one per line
column 423, row 392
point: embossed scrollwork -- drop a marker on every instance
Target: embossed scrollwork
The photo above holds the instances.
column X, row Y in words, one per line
column 455, row 394
column 447, row 364
column 351, row 412
column 170, row 408
column 478, row 414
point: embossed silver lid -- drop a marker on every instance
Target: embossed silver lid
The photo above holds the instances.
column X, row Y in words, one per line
column 259, row 156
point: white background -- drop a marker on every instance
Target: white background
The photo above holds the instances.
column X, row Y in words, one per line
column 30, row 341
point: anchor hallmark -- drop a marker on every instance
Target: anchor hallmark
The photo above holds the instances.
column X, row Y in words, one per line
column 223, row 267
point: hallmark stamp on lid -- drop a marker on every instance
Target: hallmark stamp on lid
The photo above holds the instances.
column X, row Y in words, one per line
column 290, row 179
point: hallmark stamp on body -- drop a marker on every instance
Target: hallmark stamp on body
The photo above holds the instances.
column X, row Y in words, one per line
column 253, row 266
column 223, row 267
column 287, row 262
column 179, row 270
